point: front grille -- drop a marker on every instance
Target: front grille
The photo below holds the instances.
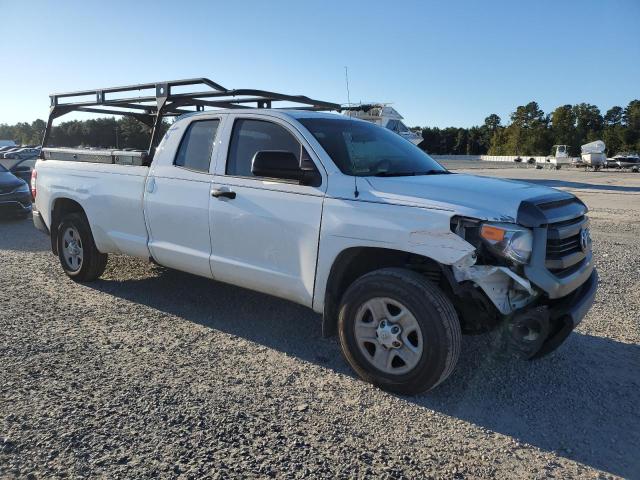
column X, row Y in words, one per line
column 564, row 248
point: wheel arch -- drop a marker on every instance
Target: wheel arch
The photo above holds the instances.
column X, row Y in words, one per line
column 59, row 208
column 354, row 262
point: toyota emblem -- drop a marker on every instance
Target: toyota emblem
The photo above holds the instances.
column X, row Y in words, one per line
column 585, row 239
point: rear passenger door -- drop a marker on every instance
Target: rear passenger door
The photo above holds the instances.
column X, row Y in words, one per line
column 177, row 201
column 266, row 237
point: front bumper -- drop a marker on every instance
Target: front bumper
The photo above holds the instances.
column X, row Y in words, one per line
column 539, row 329
column 576, row 305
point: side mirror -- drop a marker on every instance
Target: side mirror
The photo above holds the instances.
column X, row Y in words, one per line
column 276, row 164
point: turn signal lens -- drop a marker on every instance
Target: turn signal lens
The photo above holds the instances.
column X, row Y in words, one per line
column 489, row 232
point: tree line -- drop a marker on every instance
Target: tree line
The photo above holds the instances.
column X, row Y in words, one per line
column 529, row 132
column 107, row 132
column 532, row 132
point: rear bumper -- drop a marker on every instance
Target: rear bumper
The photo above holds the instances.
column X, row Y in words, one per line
column 38, row 222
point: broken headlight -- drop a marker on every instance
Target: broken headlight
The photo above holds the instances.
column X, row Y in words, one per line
column 508, row 240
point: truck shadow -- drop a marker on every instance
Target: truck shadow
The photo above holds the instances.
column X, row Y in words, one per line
column 568, row 403
column 580, row 402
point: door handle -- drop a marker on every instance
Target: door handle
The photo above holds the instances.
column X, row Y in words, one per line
column 223, row 193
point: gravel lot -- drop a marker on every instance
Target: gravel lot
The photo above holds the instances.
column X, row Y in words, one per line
column 155, row 373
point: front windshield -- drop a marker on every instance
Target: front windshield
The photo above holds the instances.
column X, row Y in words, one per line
column 363, row 149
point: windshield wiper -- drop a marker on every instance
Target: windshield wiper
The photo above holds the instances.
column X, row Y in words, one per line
column 410, row 174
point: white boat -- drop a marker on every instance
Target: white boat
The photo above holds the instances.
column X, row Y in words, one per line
column 560, row 158
column 625, row 160
column 386, row 116
column 592, row 154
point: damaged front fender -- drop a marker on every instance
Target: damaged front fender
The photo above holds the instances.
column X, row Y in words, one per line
column 506, row 289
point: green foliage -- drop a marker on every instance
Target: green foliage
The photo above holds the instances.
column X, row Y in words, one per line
column 531, row 132
column 23, row 133
column 614, row 116
column 589, row 122
column 563, row 126
column 106, row 132
column 631, row 119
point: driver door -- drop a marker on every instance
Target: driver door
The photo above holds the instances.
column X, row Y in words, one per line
column 265, row 231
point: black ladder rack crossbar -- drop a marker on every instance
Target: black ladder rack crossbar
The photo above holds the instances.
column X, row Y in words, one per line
column 151, row 109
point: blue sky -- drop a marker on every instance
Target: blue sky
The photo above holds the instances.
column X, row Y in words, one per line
column 445, row 63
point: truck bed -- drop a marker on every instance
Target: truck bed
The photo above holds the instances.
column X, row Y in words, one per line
column 109, row 191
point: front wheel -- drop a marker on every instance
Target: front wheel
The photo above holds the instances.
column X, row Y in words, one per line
column 399, row 331
column 79, row 257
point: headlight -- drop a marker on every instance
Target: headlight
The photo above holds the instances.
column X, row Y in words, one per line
column 508, row 240
column 24, row 188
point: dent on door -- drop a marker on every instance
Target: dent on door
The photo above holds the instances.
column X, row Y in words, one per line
column 266, row 240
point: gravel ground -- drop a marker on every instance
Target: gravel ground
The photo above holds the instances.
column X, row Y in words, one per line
column 155, row 373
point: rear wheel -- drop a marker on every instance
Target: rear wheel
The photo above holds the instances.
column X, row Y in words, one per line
column 79, row 257
column 399, row 331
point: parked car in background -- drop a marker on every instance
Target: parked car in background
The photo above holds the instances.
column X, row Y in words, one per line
column 15, row 195
column 11, row 154
column 23, row 168
column 624, row 160
column 22, row 153
column 10, row 150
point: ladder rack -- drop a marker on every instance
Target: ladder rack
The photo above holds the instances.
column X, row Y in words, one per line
column 164, row 100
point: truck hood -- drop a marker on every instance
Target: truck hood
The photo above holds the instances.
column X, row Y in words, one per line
column 467, row 195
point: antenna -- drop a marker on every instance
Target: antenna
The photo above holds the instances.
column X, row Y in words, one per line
column 346, row 78
column 355, row 179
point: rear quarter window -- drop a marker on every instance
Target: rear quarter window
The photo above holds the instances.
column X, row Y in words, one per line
column 196, row 145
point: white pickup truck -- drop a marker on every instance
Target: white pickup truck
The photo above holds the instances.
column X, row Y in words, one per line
column 399, row 255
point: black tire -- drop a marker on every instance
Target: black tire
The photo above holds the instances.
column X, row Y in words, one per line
column 434, row 313
column 93, row 262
